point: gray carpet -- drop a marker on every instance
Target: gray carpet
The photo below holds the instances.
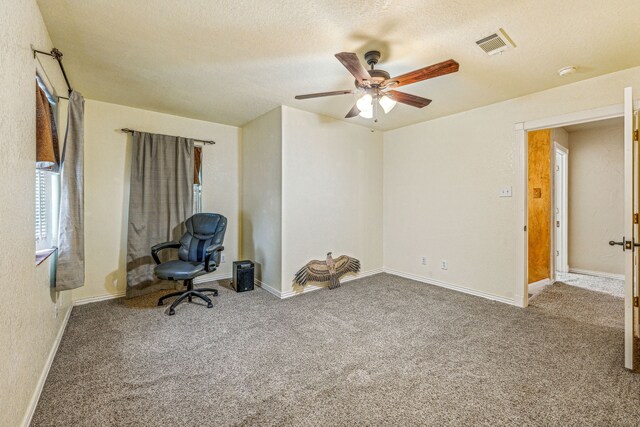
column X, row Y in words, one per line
column 377, row 351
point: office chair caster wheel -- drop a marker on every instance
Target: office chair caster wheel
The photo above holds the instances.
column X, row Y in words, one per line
column 159, row 303
column 210, row 305
column 172, row 312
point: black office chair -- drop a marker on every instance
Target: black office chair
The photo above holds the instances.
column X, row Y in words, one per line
column 199, row 250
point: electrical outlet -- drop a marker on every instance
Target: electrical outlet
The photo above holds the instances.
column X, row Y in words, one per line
column 444, row 265
column 223, row 258
column 423, row 260
column 505, row 191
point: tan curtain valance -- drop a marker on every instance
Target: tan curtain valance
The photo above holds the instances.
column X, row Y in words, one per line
column 47, row 148
column 197, row 164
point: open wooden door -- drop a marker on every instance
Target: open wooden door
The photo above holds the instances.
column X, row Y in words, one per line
column 631, row 201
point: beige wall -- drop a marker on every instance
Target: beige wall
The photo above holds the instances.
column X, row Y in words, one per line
column 560, row 136
column 331, row 198
column 311, row 184
column 31, row 314
column 262, row 196
column 107, row 171
column 442, row 178
column 596, row 202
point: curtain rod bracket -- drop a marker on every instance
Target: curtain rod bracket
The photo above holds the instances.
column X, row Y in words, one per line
column 57, row 55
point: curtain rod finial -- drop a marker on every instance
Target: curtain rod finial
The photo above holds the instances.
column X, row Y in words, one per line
column 56, row 54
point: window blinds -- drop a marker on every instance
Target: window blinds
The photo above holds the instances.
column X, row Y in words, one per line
column 42, row 211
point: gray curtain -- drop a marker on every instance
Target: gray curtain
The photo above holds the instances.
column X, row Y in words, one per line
column 70, row 274
column 160, row 200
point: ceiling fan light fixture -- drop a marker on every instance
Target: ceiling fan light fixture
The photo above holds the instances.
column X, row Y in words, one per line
column 386, row 103
column 366, row 114
column 365, row 103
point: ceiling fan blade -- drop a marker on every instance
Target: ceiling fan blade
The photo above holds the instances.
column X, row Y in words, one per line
column 318, row 95
column 353, row 112
column 406, row 98
column 425, row 73
column 353, row 64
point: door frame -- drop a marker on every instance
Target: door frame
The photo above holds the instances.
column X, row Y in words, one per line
column 564, row 220
column 521, row 295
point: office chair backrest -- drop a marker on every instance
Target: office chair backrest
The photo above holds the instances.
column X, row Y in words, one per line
column 203, row 230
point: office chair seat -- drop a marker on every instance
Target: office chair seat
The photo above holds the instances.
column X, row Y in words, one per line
column 179, row 270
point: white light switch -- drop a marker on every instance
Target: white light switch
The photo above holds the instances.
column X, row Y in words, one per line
column 505, row 191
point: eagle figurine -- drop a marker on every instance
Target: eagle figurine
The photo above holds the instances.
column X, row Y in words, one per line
column 330, row 270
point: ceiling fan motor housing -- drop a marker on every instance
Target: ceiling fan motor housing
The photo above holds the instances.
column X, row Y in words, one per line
column 377, row 77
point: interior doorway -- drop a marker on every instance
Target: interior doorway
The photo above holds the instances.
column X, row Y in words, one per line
column 568, row 242
column 521, row 189
column 629, row 241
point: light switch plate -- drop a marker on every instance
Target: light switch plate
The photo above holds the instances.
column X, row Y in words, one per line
column 505, row 191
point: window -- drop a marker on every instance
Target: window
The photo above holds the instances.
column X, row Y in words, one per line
column 47, row 163
column 197, row 198
column 44, row 212
column 197, row 180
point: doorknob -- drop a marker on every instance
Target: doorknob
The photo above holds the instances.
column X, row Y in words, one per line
column 626, row 244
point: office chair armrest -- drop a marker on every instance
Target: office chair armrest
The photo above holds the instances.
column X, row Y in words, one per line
column 160, row 246
column 208, row 254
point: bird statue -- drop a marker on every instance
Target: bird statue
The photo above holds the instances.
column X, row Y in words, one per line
column 330, row 270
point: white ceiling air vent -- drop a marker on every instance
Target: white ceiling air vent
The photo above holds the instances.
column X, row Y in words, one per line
column 497, row 42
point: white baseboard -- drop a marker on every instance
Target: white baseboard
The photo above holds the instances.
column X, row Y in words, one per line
column 198, row 280
column 88, row 300
column 540, row 283
column 518, row 301
column 345, row 279
column 266, row 287
column 596, row 273
column 311, row 288
column 454, row 287
column 211, row 277
column 33, row 403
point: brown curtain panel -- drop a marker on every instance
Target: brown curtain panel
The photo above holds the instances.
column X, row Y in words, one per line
column 197, row 164
column 47, row 147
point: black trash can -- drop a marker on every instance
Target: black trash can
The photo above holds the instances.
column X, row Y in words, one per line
column 243, row 275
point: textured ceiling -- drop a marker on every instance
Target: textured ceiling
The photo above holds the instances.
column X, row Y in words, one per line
column 229, row 61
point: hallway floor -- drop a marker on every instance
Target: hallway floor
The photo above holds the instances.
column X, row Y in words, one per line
column 606, row 285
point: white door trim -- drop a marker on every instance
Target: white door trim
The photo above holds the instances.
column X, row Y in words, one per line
column 564, row 220
column 629, row 228
column 521, row 129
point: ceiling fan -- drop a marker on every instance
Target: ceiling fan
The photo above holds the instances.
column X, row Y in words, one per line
column 375, row 87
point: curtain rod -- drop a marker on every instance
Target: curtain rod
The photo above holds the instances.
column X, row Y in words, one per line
column 57, row 55
column 127, row 130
